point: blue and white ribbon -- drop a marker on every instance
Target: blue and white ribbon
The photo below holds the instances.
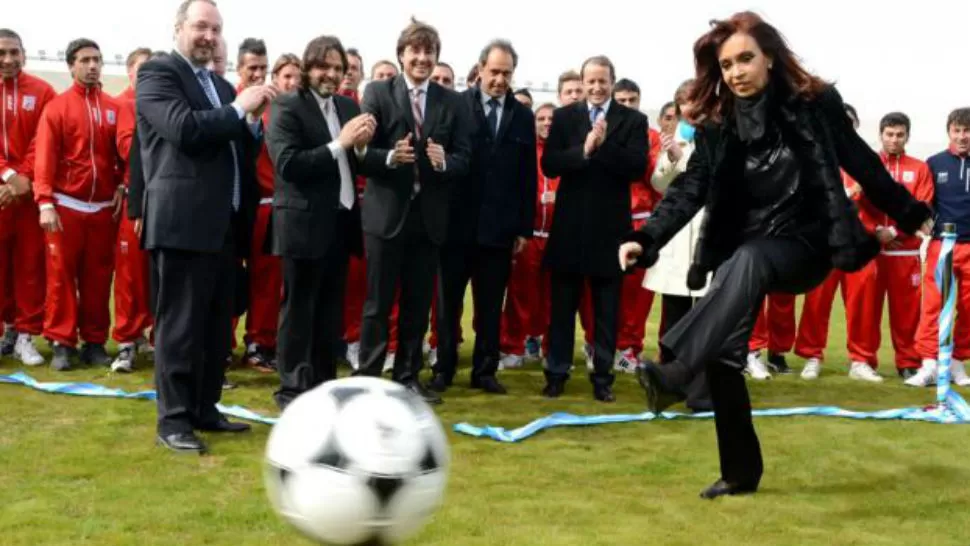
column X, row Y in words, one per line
column 91, row 389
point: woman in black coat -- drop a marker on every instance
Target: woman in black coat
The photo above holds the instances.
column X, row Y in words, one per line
column 770, row 140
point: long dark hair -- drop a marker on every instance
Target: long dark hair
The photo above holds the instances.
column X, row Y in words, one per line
column 315, row 54
column 790, row 78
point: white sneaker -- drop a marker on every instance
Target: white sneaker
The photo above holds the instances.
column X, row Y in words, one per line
column 588, row 351
column 353, row 355
column 388, row 363
column 926, row 375
column 509, row 362
column 432, row 356
column 756, row 368
column 125, row 361
column 863, row 372
column 813, row 367
column 627, row 362
column 425, row 347
column 25, row 351
column 958, row 373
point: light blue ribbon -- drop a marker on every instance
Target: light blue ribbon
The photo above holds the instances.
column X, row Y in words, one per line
column 91, row 389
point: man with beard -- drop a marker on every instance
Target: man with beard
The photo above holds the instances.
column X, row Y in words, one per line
column 79, row 196
column 490, row 219
column 316, row 220
column 23, row 98
column 199, row 142
column 420, row 148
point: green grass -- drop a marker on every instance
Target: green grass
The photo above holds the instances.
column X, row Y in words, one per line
column 85, row 471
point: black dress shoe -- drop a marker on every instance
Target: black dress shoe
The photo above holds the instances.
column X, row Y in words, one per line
column 182, row 442
column 488, row 384
column 721, row 487
column 604, row 394
column 429, row 396
column 224, row 425
column 554, row 389
column 659, row 397
column 439, row 383
column 778, row 364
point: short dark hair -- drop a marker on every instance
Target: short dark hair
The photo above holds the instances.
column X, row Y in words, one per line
column 134, row 55
column 6, row 33
column 666, row 105
column 850, row 110
column 445, row 65
column 473, row 75
column 158, row 54
column 418, row 34
column 503, row 45
column 626, row 85
column 524, row 92
column 567, row 76
column 599, row 60
column 960, row 116
column 315, row 53
column 77, row 45
column 352, row 52
column 894, row 119
column 381, row 63
column 253, row 46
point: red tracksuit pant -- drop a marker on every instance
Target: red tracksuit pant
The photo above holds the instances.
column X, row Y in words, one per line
column 22, row 264
column 775, row 328
column 265, row 285
column 131, row 286
column 896, row 275
column 526, row 312
column 80, row 260
column 927, row 335
column 354, row 305
column 813, row 329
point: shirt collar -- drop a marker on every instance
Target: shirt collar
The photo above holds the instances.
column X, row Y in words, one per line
column 320, row 99
column 605, row 106
column 485, row 98
column 412, row 86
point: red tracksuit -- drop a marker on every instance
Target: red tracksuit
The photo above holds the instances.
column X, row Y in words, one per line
column 77, row 172
column 526, row 312
column 775, row 328
column 813, row 329
column 265, row 270
column 635, row 300
column 897, row 272
column 22, row 290
column 131, row 288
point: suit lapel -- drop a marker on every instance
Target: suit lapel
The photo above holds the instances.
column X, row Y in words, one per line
column 193, row 87
column 508, row 111
column 431, row 109
column 316, row 118
column 614, row 118
column 400, row 90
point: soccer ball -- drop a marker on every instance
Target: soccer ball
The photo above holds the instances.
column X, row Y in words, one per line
column 358, row 460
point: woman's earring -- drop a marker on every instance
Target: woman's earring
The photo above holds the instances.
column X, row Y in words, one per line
column 717, row 90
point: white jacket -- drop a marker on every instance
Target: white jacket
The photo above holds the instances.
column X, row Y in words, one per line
column 669, row 274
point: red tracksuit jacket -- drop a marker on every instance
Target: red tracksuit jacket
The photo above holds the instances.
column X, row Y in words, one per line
column 24, row 98
column 916, row 177
column 126, row 129
column 76, row 151
column 546, row 186
column 643, row 197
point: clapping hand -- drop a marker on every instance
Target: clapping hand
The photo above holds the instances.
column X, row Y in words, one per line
column 403, row 151
column 436, row 153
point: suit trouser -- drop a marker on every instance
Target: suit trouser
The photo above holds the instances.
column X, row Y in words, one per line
column 311, row 318
column 265, row 285
column 673, row 309
column 194, row 301
column 813, row 327
column 22, row 268
column 131, row 286
column 408, row 260
column 605, row 299
column 775, row 327
column 714, row 335
column 488, row 270
column 527, row 299
column 927, row 335
column 80, row 260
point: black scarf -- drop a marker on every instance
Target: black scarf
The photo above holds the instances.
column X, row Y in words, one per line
column 751, row 114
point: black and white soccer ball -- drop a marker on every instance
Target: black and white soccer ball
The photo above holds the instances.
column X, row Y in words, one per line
column 358, row 460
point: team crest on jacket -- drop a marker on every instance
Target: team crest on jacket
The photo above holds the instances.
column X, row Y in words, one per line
column 909, row 177
column 110, row 116
column 29, row 103
column 942, row 177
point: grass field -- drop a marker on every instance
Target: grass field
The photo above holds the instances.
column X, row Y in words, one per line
column 85, row 471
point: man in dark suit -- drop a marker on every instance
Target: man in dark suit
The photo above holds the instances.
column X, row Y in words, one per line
column 597, row 147
column 492, row 212
column 198, row 142
column 420, row 148
column 316, row 221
